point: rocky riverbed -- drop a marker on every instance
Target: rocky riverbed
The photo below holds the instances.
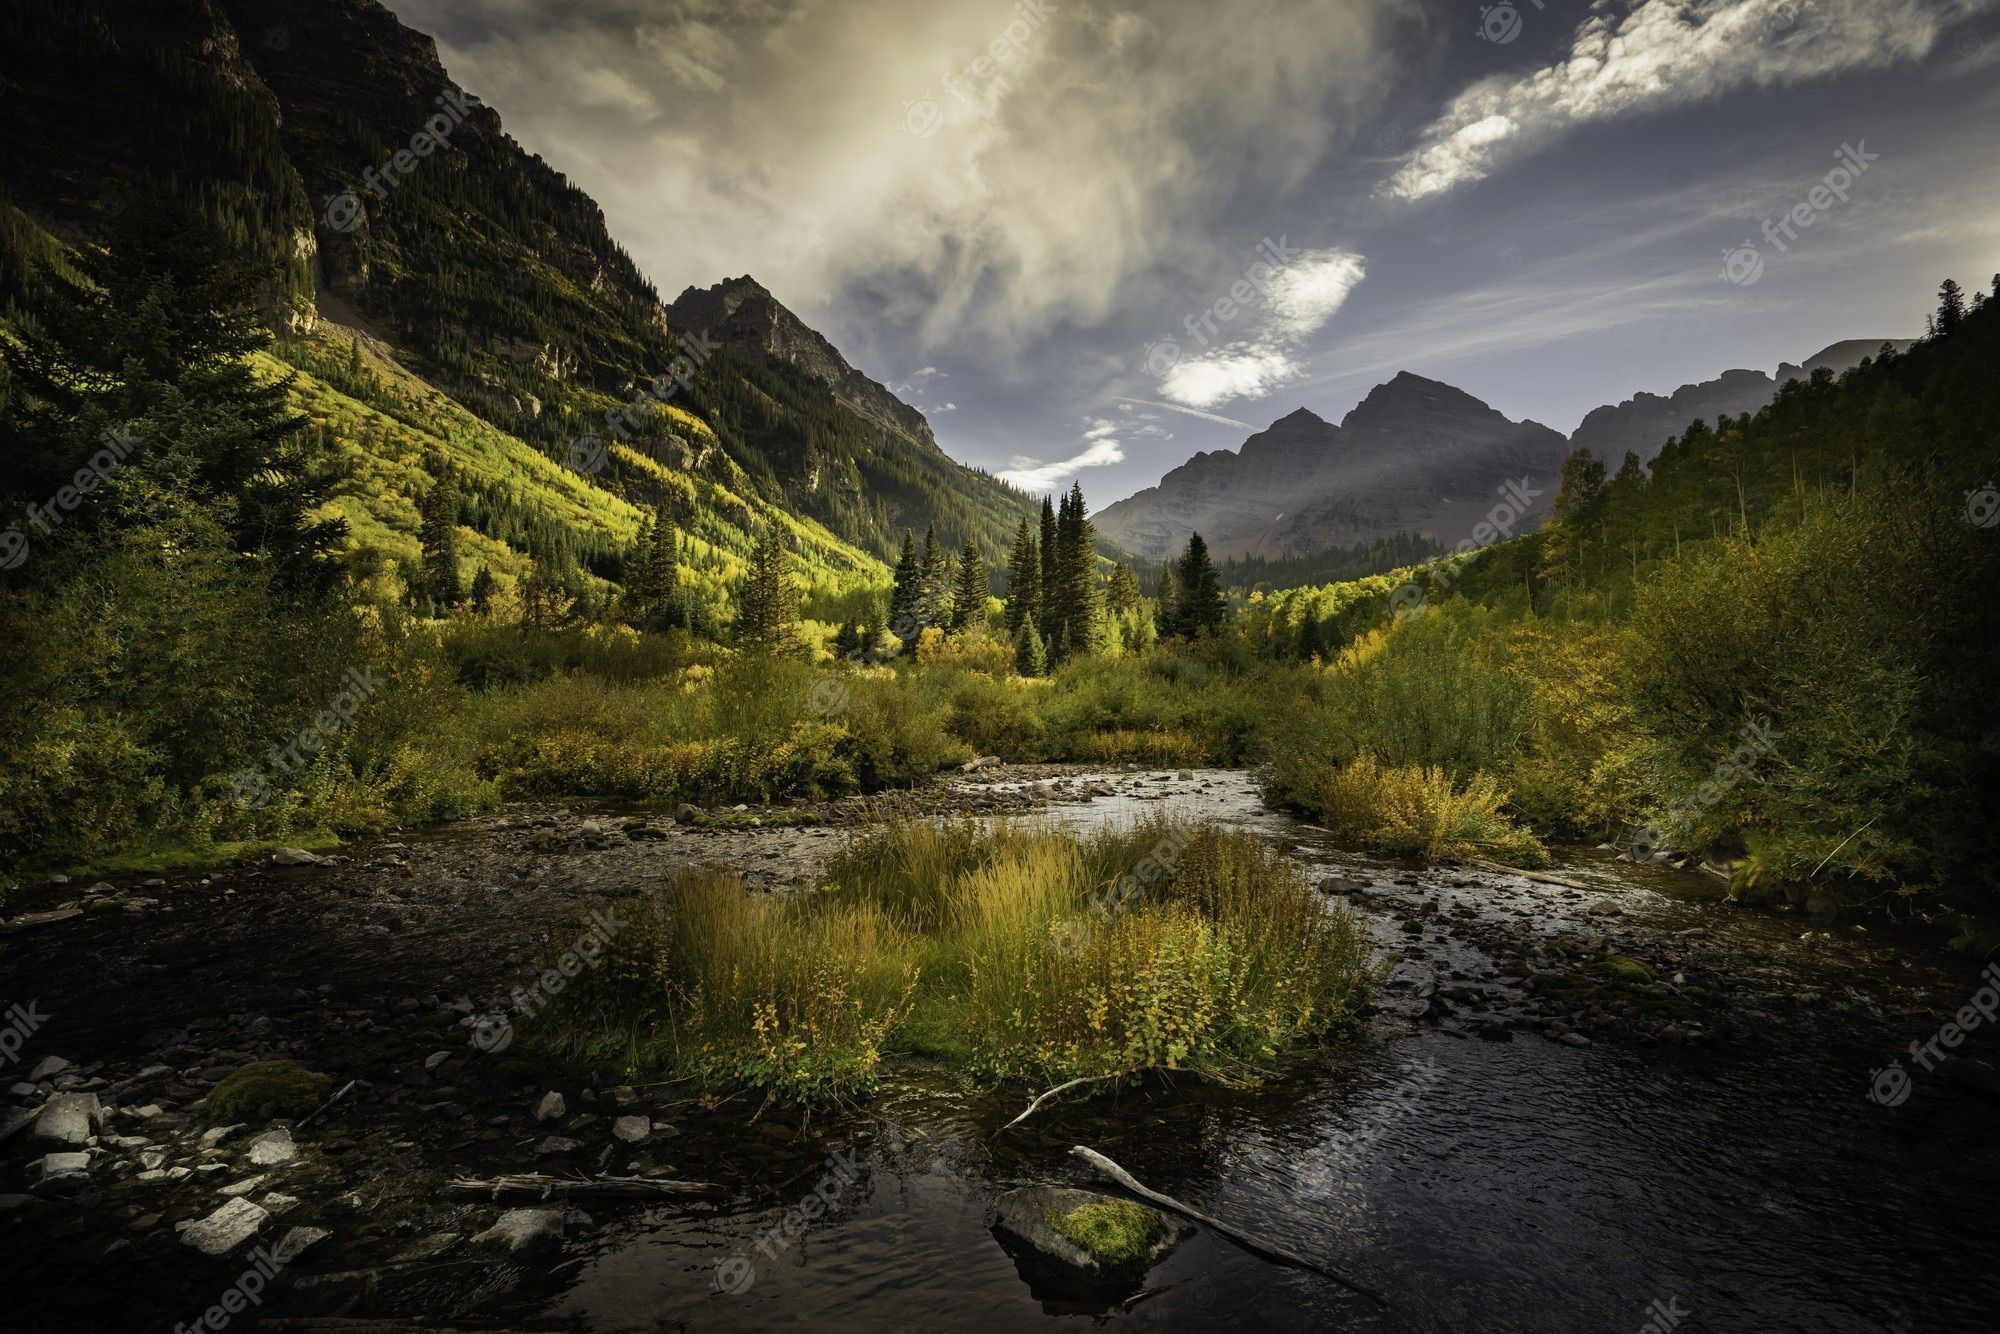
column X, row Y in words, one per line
column 1519, row 1019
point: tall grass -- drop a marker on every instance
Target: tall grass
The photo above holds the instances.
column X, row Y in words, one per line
column 1004, row 950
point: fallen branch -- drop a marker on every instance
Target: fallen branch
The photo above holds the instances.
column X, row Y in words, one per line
column 1539, row 877
column 543, row 1186
column 1269, row 1250
column 314, row 1116
column 1036, row 1105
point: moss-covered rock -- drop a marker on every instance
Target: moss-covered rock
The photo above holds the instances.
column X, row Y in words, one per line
column 1627, row 969
column 1116, row 1232
column 263, row 1090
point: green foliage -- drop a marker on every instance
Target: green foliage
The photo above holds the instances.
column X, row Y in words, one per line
column 1115, row 1232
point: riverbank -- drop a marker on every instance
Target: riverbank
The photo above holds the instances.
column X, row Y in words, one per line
column 1519, row 1012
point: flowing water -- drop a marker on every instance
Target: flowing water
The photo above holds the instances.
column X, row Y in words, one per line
column 1457, row 1157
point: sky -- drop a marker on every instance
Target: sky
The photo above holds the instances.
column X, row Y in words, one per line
column 1089, row 239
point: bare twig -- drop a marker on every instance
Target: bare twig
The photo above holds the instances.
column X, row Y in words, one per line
column 1268, row 1250
column 1036, row 1105
column 1539, row 877
column 328, row 1103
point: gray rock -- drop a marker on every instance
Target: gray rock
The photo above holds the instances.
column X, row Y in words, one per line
column 69, row 1118
column 225, row 1229
column 293, row 857
column 1023, row 1218
column 211, row 1138
column 47, row 1068
column 551, row 1107
column 297, row 1242
column 523, row 1230
column 62, row 1165
column 274, row 1203
column 555, row 1146
column 633, row 1129
column 272, row 1148
column 243, row 1187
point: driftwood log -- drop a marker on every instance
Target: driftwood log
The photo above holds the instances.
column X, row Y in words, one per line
column 543, row 1186
column 1249, row 1241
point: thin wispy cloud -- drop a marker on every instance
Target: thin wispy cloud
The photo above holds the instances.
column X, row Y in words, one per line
column 1665, row 53
column 1301, row 297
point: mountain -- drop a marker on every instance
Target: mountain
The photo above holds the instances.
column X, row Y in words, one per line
column 441, row 291
column 1415, row 456
column 1644, row 422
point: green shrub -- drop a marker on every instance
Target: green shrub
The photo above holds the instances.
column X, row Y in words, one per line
column 264, row 1090
column 1116, row 1232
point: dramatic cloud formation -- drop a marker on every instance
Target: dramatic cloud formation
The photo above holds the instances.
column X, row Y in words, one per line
column 1666, row 53
column 1298, row 300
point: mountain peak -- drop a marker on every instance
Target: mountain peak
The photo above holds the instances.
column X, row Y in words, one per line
column 1300, row 417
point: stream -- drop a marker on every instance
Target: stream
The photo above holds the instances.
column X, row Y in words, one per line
column 1498, row 1147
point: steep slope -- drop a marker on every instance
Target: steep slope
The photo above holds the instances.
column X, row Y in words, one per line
column 326, row 139
column 1415, row 456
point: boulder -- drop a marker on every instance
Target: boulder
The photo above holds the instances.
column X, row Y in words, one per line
column 551, row 1107
column 69, row 1118
column 1034, row 1220
column 297, row 1242
column 272, row 1148
column 522, row 1230
column 225, row 1229
column 293, row 857
column 633, row 1129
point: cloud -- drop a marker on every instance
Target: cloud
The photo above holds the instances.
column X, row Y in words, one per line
column 1665, row 53
column 1035, row 476
column 1192, row 412
column 860, row 147
column 1300, row 298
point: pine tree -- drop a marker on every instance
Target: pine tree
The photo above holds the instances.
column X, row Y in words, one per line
column 968, row 597
column 1951, row 308
column 1045, row 614
column 906, row 593
column 1167, row 616
column 1030, row 655
column 1079, row 625
column 149, row 347
column 652, row 586
column 847, row 640
column 767, row 602
column 482, row 592
column 1199, row 607
column 437, row 535
column 1024, row 578
column 1122, row 593
column 932, row 586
